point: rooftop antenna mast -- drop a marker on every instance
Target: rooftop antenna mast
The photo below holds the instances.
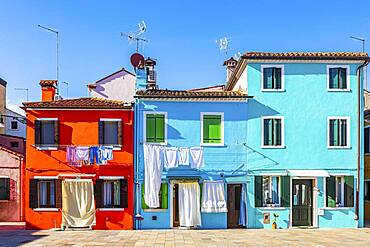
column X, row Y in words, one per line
column 134, row 36
column 224, row 44
column 57, row 51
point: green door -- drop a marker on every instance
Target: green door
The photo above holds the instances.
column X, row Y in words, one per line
column 302, row 202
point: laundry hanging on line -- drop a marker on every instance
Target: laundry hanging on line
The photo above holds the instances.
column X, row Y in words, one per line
column 180, row 156
column 85, row 155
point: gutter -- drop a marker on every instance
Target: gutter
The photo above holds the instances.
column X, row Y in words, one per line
column 359, row 131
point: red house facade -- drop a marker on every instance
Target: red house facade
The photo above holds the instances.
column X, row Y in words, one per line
column 79, row 163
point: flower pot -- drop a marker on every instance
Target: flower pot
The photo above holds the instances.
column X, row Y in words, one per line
column 274, row 225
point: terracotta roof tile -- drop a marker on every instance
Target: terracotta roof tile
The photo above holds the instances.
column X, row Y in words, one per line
column 207, row 89
column 84, row 103
column 307, row 55
column 48, row 83
column 190, row 94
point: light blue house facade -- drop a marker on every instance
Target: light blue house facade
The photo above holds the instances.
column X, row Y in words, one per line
column 305, row 119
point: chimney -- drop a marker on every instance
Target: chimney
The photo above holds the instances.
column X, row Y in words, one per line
column 48, row 89
column 151, row 73
column 230, row 67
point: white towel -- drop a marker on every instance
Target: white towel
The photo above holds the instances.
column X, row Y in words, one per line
column 171, row 157
column 153, row 174
column 184, row 156
column 213, row 197
column 189, row 204
column 196, row 157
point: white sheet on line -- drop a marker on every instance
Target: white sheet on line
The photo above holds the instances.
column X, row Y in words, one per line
column 78, row 209
column 152, row 174
column 196, row 157
column 213, row 197
column 184, row 156
column 171, row 158
column 189, row 204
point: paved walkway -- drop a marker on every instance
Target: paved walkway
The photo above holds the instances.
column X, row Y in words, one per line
column 223, row 238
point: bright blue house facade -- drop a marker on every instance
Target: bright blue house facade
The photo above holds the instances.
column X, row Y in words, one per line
column 289, row 152
column 305, row 119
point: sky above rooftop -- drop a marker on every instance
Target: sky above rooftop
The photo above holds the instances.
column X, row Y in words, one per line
column 181, row 37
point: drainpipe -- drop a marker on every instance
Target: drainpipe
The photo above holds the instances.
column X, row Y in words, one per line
column 359, row 131
column 136, row 161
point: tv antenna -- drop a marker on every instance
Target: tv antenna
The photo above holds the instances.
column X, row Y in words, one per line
column 237, row 56
column 135, row 36
column 224, row 44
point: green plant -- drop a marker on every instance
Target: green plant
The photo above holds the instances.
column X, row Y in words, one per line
column 275, row 218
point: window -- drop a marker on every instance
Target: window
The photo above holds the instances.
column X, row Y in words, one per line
column 340, row 191
column 367, row 190
column 212, row 129
column 338, row 132
column 273, row 132
column 4, row 188
column 111, row 192
column 155, row 128
column 46, row 193
column 14, row 125
column 14, row 144
column 46, row 132
column 163, row 197
column 272, row 191
column 367, row 140
column 338, row 78
column 272, row 77
column 110, row 132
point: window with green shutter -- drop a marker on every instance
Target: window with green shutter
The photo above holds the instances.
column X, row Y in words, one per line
column 338, row 131
column 163, row 197
column 155, row 128
column 339, row 191
column 212, row 129
column 337, row 78
column 272, row 78
column 272, row 132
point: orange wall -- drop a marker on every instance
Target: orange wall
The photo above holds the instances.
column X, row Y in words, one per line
column 78, row 127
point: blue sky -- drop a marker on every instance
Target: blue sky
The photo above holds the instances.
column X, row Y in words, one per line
column 181, row 37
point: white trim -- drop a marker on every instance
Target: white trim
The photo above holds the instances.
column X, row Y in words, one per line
column 46, row 209
column 51, row 148
column 45, row 177
column 347, row 78
column 150, row 210
column 278, row 205
column 272, row 208
column 281, row 66
column 111, row 209
column 4, row 176
column 111, row 119
column 282, row 131
column 222, row 128
column 165, row 126
column 272, row 174
column 77, row 180
column 111, row 177
column 47, row 119
column 348, row 132
column 172, row 184
column 75, row 175
column 336, row 208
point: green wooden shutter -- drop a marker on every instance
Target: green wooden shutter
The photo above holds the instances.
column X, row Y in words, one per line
column 150, row 128
column 285, row 191
column 330, row 191
column 348, row 191
column 343, row 132
column 267, row 134
column 164, row 189
column 277, row 132
column 277, row 78
column 143, row 204
column 212, row 129
column 159, row 128
column 37, row 132
column 334, row 132
column 258, row 191
column 206, row 136
column 33, row 194
column 342, row 78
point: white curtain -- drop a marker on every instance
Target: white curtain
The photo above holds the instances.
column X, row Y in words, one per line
column 78, row 208
column 152, row 174
column 189, row 204
column 213, row 197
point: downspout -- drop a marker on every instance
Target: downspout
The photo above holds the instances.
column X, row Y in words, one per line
column 360, row 113
column 136, row 161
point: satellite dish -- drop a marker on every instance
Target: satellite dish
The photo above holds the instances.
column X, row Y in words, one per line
column 137, row 60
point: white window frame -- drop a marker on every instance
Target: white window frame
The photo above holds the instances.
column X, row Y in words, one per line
column 367, row 153
column 278, row 195
column 342, row 191
column 165, row 126
column 281, row 66
column 333, row 66
column 282, row 132
column 222, row 143
column 348, row 132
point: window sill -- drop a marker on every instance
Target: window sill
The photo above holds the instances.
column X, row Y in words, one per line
column 212, row 144
column 339, row 147
column 154, row 210
column 367, row 154
column 272, row 208
column 46, row 209
column 4, row 200
column 339, row 90
column 337, row 208
column 156, row 143
column 46, row 148
column 273, row 147
column 111, row 209
column 273, row 90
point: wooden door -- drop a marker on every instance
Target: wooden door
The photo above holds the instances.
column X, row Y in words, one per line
column 302, row 202
column 175, row 201
column 233, row 205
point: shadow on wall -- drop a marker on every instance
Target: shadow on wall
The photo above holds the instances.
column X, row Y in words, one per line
column 173, row 133
column 258, row 110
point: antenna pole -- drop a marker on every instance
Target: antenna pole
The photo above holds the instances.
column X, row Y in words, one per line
column 22, row 89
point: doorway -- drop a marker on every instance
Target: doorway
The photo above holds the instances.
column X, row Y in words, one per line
column 302, row 202
column 233, row 205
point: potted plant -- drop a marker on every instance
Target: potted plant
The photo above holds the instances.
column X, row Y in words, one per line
column 274, row 224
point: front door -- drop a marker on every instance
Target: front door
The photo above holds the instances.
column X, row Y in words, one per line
column 302, row 202
column 233, row 205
